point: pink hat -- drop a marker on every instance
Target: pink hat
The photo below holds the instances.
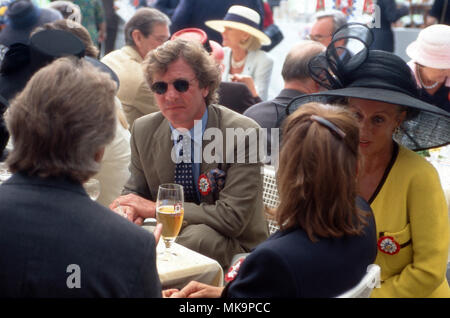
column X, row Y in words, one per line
column 195, row 34
column 432, row 47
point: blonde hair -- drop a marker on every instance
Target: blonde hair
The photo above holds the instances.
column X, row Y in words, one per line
column 311, row 155
column 61, row 120
column 251, row 44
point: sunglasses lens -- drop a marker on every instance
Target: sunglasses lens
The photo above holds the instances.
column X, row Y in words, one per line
column 159, row 88
column 181, row 85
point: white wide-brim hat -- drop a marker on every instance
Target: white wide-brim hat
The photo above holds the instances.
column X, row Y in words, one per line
column 432, row 47
column 241, row 18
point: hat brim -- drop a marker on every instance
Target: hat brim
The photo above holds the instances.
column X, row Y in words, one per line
column 220, row 25
column 9, row 35
column 429, row 127
column 413, row 51
column 375, row 94
column 104, row 68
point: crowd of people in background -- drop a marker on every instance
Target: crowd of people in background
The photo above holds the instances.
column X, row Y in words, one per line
column 81, row 100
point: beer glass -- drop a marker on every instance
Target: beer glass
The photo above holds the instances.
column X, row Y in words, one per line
column 169, row 212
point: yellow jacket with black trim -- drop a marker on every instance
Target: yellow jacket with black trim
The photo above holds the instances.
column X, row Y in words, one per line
column 411, row 208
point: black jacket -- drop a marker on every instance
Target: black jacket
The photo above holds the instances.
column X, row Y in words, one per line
column 47, row 225
column 288, row 264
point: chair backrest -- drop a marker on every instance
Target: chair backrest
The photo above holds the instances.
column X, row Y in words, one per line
column 366, row 285
column 270, row 196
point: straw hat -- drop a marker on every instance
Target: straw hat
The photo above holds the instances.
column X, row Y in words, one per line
column 195, row 34
column 241, row 18
column 432, row 47
column 378, row 76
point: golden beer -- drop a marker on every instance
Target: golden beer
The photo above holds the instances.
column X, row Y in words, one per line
column 170, row 219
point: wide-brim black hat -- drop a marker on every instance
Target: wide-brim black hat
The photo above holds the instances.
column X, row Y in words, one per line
column 350, row 69
column 21, row 61
column 22, row 17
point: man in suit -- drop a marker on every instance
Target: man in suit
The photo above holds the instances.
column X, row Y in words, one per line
column 325, row 24
column 146, row 30
column 194, row 13
column 297, row 81
column 223, row 213
column 54, row 240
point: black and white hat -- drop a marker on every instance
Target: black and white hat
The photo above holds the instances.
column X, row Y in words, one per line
column 241, row 18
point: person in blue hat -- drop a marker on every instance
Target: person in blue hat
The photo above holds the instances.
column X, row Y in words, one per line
column 22, row 16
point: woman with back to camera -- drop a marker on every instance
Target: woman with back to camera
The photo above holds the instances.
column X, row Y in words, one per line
column 244, row 60
column 402, row 188
column 327, row 238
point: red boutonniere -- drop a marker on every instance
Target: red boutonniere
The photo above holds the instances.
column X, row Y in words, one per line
column 234, row 269
column 388, row 245
column 204, row 186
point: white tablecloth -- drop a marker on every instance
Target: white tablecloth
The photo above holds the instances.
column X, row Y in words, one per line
column 186, row 266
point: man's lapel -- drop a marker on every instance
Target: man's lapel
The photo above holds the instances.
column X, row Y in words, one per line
column 163, row 145
column 213, row 122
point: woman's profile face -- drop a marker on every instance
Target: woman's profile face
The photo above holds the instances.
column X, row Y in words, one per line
column 434, row 74
column 378, row 121
column 233, row 37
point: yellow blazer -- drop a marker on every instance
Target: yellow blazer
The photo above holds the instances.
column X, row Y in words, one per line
column 411, row 208
column 136, row 97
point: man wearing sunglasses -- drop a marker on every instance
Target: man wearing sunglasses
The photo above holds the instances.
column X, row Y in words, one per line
column 223, row 214
column 146, row 30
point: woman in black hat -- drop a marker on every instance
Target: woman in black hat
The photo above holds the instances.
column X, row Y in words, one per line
column 402, row 188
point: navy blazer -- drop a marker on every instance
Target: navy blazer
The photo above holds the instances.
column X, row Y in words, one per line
column 46, row 225
column 289, row 264
column 194, row 14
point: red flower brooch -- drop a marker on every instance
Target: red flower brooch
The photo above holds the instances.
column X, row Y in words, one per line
column 213, row 180
column 204, row 186
column 388, row 245
column 234, row 269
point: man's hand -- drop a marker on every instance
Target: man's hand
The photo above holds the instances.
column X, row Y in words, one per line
column 195, row 290
column 134, row 208
column 169, row 292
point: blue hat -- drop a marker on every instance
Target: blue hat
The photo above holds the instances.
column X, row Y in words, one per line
column 22, row 17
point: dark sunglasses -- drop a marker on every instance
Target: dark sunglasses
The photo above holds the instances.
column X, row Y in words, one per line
column 181, row 85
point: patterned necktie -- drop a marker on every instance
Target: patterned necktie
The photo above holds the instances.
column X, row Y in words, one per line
column 184, row 173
